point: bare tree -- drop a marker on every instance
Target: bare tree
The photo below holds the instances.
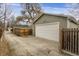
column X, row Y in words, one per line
column 30, row 10
column 1, row 11
column 73, row 10
column 6, row 14
column 1, row 14
column 19, row 18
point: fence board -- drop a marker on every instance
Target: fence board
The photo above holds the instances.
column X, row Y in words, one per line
column 78, row 43
column 70, row 40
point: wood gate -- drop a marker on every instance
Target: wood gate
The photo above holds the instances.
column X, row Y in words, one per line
column 70, row 41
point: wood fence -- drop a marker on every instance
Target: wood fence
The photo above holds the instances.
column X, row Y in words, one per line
column 22, row 31
column 70, row 41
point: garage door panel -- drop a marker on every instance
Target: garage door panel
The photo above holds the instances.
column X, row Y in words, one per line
column 48, row 31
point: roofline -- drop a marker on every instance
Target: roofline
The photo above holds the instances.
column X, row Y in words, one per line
column 60, row 15
column 37, row 17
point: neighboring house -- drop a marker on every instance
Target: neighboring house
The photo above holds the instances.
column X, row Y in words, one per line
column 78, row 23
column 48, row 26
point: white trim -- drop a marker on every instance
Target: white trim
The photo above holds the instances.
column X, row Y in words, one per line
column 48, row 23
column 68, row 24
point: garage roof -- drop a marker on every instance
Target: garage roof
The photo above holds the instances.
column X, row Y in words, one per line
column 72, row 19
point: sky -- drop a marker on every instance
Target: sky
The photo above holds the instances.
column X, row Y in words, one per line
column 57, row 8
column 16, row 8
column 53, row 8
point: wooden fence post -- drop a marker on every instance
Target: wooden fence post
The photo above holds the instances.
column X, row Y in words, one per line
column 70, row 41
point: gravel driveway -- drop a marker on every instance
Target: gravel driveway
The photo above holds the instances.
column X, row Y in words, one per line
column 31, row 46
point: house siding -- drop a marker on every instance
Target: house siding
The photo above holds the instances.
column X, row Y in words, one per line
column 50, row 19
column 71, row 24
column 64, row 21
column 33, row 30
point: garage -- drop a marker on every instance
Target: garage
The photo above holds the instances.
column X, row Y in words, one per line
column 48, row 31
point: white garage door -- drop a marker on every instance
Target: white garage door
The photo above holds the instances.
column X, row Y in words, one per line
column 48, row 31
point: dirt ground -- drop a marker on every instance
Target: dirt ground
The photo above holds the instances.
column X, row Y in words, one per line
column 4, row 47
column 30, row 46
